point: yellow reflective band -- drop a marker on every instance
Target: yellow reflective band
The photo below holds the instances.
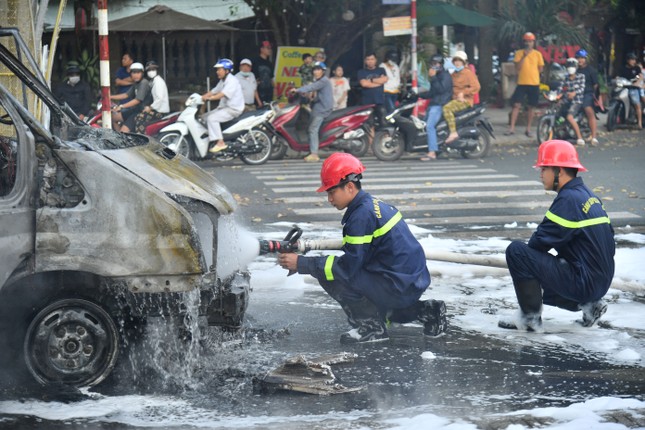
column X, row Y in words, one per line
column 329, row 275
column 361, row 240
column 576, row 224
column 388, row 225
column 357, row 240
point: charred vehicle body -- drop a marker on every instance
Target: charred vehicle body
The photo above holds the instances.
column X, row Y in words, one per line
column 98, row 230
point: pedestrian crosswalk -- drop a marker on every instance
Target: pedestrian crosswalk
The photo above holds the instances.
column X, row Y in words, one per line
column 449, row 193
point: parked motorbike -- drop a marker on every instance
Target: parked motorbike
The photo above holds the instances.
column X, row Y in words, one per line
column 244, row 135
column 621, row 111
column 152, row 129
column 553, row 123
column 343, row 130
column 405, row 132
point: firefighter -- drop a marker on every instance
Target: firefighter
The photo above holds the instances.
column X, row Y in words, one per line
column 578, row 228
column 383, row 272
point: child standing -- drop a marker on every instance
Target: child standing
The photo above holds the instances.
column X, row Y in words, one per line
column 340, row 87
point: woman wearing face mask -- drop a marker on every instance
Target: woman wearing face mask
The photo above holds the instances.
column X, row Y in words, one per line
column 575, row 84
column 464, row 87
column 75, row 92
column 160, row 104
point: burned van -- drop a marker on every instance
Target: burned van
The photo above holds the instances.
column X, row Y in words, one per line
column 98, row 230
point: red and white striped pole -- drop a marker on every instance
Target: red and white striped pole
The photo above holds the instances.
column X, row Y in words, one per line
column 104, row 65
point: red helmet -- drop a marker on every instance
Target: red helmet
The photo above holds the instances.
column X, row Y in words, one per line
column 528, row 36
column 558, row 153
column 336, row 168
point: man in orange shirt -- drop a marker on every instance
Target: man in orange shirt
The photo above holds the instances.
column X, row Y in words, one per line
column 529, row 64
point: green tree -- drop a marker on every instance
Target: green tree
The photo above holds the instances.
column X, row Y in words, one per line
column 332, row 24
column 557, row 21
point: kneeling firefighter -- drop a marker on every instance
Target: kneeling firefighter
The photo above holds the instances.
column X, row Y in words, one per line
column 578, row 228
column 383, row 271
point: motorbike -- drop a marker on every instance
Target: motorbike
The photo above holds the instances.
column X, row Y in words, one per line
column 152, row 129
column 621, row 111
column 405, row 132
column 344, row 129
column 245, row 135
column 553, row 123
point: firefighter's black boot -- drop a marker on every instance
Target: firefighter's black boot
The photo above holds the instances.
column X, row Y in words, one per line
column 529, row 297
column 368, row 324
column 433, row 316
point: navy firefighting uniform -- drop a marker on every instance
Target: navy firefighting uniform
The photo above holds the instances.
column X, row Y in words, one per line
column 382, row 260
column 578, row 228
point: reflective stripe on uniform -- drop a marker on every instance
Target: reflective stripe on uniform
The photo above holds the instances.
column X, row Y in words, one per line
column 360, row 240
column 329, row 275
column 576, row 224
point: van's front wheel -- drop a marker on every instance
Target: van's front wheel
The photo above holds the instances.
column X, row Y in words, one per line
column 72, row 342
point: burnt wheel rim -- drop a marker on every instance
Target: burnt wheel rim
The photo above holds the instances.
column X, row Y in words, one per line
column 72, row 341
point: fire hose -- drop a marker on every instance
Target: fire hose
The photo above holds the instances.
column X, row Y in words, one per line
column 293, row 243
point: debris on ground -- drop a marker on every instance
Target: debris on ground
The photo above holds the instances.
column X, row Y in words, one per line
column 307, row 375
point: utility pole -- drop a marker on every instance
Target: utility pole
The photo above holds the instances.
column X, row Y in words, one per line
column 104, row 65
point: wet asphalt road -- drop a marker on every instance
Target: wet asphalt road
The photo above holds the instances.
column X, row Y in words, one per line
column 472, row 376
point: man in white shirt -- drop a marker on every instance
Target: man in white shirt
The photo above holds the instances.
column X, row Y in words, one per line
column 160, row 105
column 249, row 85
column 231, row 103
column 391, row 87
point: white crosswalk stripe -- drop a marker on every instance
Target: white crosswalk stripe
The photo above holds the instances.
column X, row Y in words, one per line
column 449, row 192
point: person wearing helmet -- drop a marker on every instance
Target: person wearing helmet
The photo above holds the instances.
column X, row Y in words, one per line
column 382, row 273
column 391, row 88
column 74, row 91
column 321, row 106
column 634, row 73
column 249, row 85
column 228, row 92
column 575, row 84
column 578, row 228
column 160, row 105
column 589, row 96
column 439, row 94
column 529, row 63
column 140, row 96
column 464, row 87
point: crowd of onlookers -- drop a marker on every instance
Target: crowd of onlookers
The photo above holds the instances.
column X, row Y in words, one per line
column 141, row 99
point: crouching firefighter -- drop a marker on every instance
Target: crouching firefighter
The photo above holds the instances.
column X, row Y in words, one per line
column 383, row 271
column 578, row 228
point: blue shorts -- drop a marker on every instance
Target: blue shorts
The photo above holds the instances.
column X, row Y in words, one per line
column 635, row 96
column 587, row 100
column 531, row 92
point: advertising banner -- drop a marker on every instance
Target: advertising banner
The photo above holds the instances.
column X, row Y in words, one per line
column 397, row 25
column 287, row 63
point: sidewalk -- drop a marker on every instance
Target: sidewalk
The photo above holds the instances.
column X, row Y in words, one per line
column 499, row 118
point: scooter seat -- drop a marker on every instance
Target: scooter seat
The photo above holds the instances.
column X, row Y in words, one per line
column 474, row 110
column 227, row 124
column 345, row 112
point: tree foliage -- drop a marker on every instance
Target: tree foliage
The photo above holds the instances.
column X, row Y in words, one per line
column 320, row 23
column 558, row 21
